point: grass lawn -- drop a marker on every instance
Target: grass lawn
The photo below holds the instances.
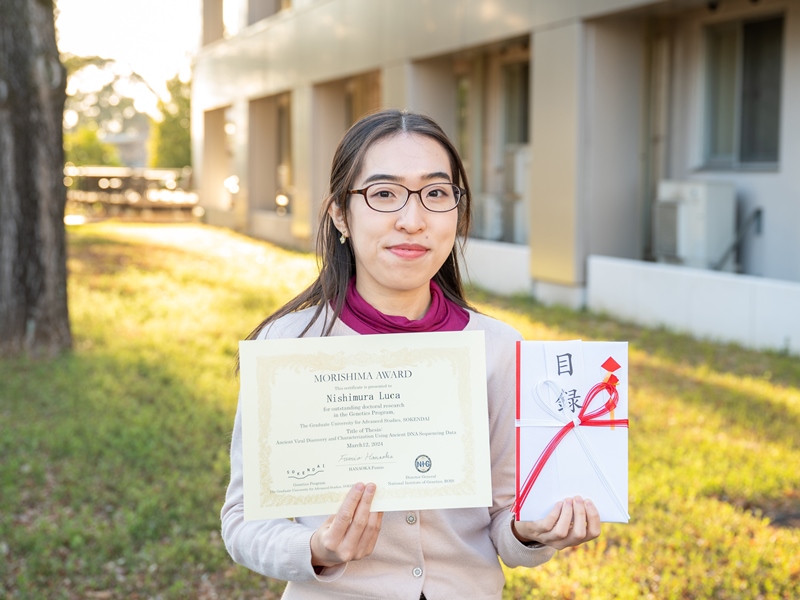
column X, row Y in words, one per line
column 115, row 456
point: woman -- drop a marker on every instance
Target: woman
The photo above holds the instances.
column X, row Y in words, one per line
column 387, row 244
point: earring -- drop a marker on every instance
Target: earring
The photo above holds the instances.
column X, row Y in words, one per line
column 342, row 238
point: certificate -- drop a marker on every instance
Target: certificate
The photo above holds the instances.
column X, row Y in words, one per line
column 407, row 412
column 572, row 427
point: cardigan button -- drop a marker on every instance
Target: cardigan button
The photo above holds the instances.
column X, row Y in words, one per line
column 411, row 518
column 417, row 572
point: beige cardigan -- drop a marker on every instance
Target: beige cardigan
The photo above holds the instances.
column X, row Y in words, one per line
column 445, row 553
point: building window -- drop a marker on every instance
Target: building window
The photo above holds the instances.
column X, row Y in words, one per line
column 262, row 9
column 516, row 85
column 284, row 153
column 492, row 101
column 270, row 154
column 362, row 95
column 231, row 20
column 463, row 140
column 744, row 89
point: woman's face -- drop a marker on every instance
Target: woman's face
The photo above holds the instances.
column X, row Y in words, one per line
column 398, row 253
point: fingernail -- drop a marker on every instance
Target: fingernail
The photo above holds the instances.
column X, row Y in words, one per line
column 568, row 501
column 360, row 487
column 588, row 502
column 371, row 488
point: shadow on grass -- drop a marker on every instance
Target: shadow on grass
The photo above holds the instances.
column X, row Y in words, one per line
column 112, row 477
column 107, row 256
column 757, row 413
column 100, row 264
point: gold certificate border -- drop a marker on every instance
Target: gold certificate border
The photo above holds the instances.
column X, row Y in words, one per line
column 268, row 367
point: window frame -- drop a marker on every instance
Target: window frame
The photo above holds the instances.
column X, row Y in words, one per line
column 734, row 162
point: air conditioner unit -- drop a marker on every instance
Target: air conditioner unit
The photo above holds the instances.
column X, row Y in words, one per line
column 695, row 223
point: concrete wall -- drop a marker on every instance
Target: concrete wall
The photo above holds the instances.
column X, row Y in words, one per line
column 263, row 153
column 555, row 154
column 611, row 199
column 587, row 161
column 215, row 157
column 322, row 40
column 501, row 268
column 751, row 311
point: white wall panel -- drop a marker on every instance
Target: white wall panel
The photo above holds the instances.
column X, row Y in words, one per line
column 556, row 104
column 751, row 311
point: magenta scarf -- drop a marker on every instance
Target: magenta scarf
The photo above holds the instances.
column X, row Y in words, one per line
column 362, row 317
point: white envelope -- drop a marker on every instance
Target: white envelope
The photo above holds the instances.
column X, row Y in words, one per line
column 590, row 442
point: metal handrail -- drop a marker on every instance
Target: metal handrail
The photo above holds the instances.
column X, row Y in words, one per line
column 755, row 217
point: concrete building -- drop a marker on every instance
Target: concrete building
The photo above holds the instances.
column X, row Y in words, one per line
column 598, row 134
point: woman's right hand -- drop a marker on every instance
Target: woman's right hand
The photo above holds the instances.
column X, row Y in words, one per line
column 351, row 533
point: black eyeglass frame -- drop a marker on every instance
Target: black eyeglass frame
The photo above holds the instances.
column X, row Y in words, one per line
column 363, row 192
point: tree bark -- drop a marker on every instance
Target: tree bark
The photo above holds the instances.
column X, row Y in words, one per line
column 33, row 272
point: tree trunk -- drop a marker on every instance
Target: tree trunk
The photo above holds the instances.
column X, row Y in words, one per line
column 33, row 270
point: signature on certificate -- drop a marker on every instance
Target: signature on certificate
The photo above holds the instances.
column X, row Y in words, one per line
column 366, row 457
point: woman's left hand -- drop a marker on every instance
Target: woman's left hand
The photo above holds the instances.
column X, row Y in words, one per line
column 570, row 523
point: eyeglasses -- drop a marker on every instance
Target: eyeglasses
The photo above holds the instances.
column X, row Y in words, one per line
column 391, row 197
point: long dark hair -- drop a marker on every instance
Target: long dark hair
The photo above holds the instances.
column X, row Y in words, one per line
column 336, row 261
